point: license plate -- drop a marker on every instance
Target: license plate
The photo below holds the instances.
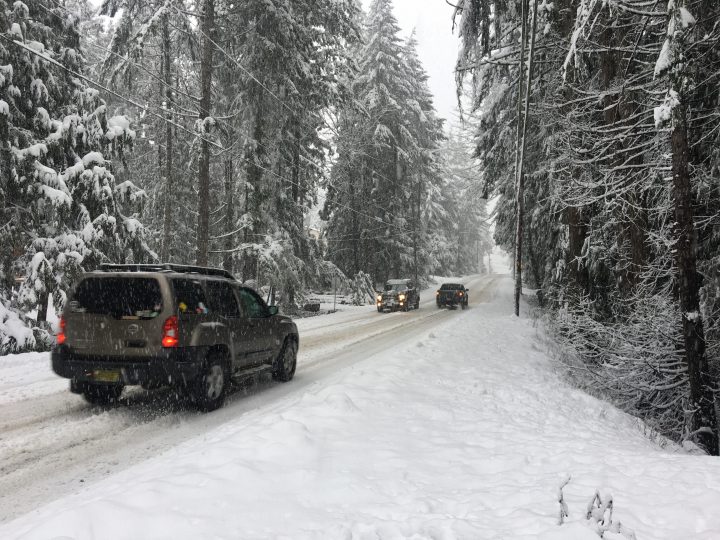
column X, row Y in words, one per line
column 106, row 375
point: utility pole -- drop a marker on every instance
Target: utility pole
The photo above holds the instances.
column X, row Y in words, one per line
column 522, row 116
column 334, row 291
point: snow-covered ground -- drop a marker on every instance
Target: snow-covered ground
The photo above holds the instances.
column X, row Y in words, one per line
column 52, row 443
column 460, row 430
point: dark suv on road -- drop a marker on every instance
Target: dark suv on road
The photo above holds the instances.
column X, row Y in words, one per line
column 398, row 294
column 452, row 295
column 192, row 328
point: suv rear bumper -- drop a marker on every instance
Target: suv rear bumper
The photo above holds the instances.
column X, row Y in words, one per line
column 173, row 366
column 450, row 301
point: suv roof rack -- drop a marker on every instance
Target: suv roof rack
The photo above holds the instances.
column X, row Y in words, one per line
column 166, row 267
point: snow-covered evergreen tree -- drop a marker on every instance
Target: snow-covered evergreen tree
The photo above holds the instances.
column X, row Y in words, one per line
column 292, row 59
column 62, row 209
column 370, row 193
column 602, row 188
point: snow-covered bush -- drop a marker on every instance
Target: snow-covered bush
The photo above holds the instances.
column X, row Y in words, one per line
column 599, row 516
column 363, row 291
column 15, row 335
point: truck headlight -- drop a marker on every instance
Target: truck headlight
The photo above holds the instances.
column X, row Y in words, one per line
column 379, row 298
column 401, row 297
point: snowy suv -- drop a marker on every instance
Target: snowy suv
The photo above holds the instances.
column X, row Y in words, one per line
column 398, row 294
column 452, row 295
column 156, row 325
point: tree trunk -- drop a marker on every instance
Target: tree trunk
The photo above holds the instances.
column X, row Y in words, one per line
column 42, row 308
column 703, row 422
column 207, row 23
column 255, row 157
column 577, row 229
column 702, row 399
column 168, row 206
column 229, row 213
column 8, row 253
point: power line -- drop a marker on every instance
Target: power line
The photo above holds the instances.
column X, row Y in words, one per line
column 277, row 98
column 247, row 160
column 128, row 100
column 217, row 46
column 102, row 87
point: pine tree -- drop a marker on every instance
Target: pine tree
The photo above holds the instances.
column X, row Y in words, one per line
column 289, row 78
column 374, row 142
column 62, row 209
column 618, row 275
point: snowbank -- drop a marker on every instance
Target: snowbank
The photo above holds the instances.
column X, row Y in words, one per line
column 464, row 434
column 14, row 334
column 27, row 376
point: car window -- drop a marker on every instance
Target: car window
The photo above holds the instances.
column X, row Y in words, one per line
column 451, row 287
column 190, row 297
column 252, row 306
column 121, row 298
column 222, row 298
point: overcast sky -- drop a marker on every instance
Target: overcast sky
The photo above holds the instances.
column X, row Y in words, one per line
column 438, row 46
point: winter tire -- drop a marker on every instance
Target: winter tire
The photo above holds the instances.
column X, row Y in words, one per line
column 286, row 362
column 210, row 387
column 102, row 394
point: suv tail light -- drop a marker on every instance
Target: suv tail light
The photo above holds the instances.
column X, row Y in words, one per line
column 171, row 332
column 61, row 334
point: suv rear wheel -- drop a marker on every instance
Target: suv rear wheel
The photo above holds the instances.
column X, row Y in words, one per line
column 210, row 387
column 284, row 368
column 102, row 394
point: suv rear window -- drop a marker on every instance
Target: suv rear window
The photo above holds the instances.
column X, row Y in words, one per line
column 121, row 298
column 189, row 296
column 450, row 287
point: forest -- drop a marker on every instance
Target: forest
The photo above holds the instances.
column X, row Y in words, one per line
column 599, row 127
column 293, row 143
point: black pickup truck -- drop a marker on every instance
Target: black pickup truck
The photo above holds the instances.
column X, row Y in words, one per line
column 452, row 295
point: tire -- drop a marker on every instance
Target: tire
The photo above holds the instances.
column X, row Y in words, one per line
column 102, row 394
column 286, row 362
column 210, row 387
column 380, row 310
column 417, row 303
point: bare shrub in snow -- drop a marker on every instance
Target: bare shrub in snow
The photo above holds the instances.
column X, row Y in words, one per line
column 599, row 516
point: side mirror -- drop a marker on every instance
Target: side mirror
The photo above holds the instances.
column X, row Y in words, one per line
column 273, row 310
column 466, row 290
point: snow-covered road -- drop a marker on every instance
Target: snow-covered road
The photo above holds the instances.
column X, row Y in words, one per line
column 52, row 442
column 447, row 426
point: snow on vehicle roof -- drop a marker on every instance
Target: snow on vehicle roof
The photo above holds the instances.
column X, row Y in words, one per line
column 397, row 281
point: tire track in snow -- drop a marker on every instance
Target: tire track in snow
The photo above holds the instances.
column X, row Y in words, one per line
column 55, row 444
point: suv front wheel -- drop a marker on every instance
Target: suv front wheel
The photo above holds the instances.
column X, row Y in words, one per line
column 211, row 385
column 284, row 368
